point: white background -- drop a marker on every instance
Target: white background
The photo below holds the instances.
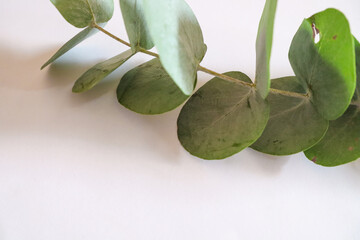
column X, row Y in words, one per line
column 80, row 166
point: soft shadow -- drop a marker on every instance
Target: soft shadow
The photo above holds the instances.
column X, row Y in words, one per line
column 269, row 163
column 355, row 165
column 42, row 104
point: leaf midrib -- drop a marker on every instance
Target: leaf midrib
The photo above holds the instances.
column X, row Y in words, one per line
column 227, row 113
column 91, row 11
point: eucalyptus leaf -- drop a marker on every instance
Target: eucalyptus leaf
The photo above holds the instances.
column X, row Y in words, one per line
column 222, row 118
column 82, row 13
column 84, row 34
column 326, row 68
column 294, row 124
column 341, row 143
column 148, row 89
column 101, row 70
column 263, row 48
column 133, row 14
column 178, row 38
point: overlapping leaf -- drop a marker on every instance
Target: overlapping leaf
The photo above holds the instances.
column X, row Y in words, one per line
column 222, row 118
column 341, row 143
column 263, row 48
column 101, row 70
column 82, row 13
column 326, row 68
column 294, row 124
column 148, row 89
column 133, row 15
column 177, row 36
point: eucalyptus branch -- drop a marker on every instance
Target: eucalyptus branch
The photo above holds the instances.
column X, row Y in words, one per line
column 222, row 118
column 204, row 69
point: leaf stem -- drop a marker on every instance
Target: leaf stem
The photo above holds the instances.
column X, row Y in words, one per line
column 225, row 77
column 289, row 94
column 204, row 69
column 111, row 35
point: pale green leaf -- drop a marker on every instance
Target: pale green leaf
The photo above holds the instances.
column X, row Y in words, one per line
column 263, row 48
column 177, row 36
column 222, row 118
column 341, row 143
column 148, row 89
column 82, row 13
column 133, row 15
column 84, row 34
column 294, row 124
column 101, row 70
column 326, row 68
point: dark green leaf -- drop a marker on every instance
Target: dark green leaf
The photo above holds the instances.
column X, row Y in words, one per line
column 263, row 48
column 326, row 68
column 84, row 34
column 133, row 14
column 82, row 13
column 294, row 124
column 222, row 118
column 341, row 143
column 101, row 70
column 148, row 89
column 178, row 39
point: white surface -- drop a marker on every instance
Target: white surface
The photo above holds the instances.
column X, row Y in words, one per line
column 83, row 167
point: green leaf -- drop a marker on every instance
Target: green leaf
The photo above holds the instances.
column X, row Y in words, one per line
column 341, row 143
column 133, row 14
column 356, row 96
column 101, row 70
column 178, row 39
column 82, row 13
column 148, row 89
column 263, row 48
column 222, row 118
column 294, row 124
column 84, row 34
column 326, row 68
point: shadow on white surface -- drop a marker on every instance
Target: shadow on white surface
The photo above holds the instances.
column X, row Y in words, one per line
column 40, row 103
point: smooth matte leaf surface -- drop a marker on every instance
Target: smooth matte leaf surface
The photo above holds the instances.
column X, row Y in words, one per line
column 341, row 143
column 222, row 118
column 263, row 48
column 327, row 68
column 81, row 13
column 133, row 15
column 101, row 70
column 177, row 36
column 84, row 34
column 148, row 89
column 294, row 124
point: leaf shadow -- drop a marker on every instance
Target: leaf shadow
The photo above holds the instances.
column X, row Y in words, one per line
column 49, row 109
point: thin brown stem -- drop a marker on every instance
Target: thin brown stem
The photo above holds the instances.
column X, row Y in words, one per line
column 224, row 77
column 111, row 35
column 289, row 94
column 204, row 69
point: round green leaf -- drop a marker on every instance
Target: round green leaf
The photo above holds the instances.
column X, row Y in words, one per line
column 178, row 39
column 326, row 68
column 148, row 89
column 82, row 13
column 222, row 118
column 101, row 70
column 84, row 34
column 133, row 14
column 263, row 48
column 341, row 143
column 294, row 124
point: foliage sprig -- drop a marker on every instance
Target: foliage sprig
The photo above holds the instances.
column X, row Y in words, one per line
column 316, row 111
